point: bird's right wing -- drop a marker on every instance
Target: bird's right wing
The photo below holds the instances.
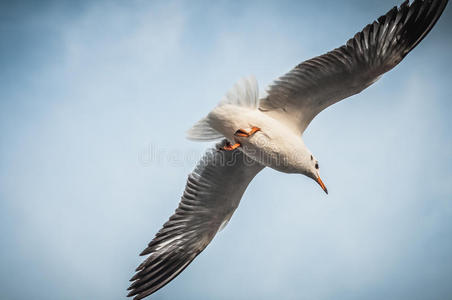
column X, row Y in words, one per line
column 297, row 97
column 212, row 193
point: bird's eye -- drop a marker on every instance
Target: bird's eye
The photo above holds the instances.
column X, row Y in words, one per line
column 316, row 165
column 312, row 157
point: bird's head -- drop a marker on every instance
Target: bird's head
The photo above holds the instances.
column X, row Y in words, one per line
column 313, row 171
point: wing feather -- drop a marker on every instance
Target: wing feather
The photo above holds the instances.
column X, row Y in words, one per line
column 297, row 97
column 212, row 193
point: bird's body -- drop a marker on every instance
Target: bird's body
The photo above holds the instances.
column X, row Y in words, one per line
column 260, row 132
column 275, row 145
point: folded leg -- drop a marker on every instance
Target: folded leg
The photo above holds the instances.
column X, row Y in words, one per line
column 244, row 133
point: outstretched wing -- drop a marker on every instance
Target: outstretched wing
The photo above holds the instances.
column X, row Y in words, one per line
column 297, row 97
column 212, row 193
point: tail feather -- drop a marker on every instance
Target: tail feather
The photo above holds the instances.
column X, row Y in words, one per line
column 202, row 131
column 244, row 93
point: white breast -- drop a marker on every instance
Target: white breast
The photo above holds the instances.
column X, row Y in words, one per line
column 275, row 145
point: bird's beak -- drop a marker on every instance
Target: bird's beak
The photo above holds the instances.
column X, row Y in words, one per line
column 320, row 182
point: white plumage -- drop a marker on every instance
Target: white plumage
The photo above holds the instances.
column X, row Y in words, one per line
column 268, row 132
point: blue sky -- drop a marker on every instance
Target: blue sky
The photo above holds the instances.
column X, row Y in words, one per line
column 95, row 99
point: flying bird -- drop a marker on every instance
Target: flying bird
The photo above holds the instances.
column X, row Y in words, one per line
column 256, row 132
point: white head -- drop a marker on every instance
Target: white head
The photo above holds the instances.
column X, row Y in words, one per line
column 298, row 159
column 303, row 162
column 312, row 170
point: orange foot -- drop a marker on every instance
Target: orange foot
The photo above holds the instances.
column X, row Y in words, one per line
column 230, row 147
column 244, row 133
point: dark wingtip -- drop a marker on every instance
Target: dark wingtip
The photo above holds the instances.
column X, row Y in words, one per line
column 130, row 294
column 134, row 277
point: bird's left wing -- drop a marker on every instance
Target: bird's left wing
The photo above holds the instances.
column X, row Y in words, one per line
column 297, row 97
column 212, row 193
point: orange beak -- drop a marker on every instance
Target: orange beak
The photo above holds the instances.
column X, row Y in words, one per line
column 320, row 182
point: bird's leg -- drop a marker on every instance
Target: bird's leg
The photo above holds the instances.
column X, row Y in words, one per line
column 229, row 147
column 240, row 133
column 244, row 133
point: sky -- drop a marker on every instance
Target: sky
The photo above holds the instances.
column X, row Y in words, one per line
column 95, row 99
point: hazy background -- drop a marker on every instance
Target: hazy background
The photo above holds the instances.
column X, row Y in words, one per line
column 95, row 98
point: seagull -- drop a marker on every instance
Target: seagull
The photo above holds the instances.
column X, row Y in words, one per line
column 256, row 132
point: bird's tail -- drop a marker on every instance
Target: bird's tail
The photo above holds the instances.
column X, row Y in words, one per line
column 244, row 93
